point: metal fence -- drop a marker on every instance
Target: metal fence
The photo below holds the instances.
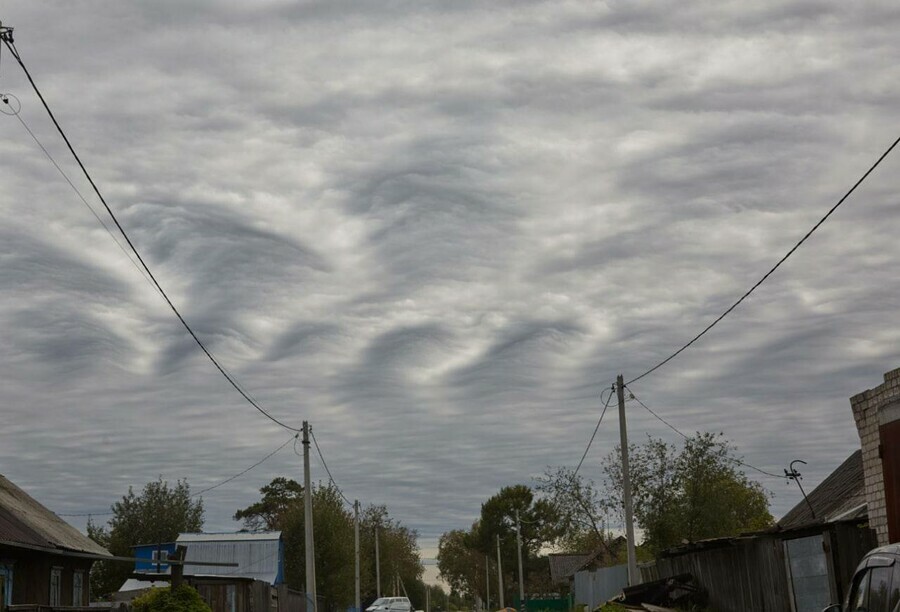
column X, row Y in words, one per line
column 595, row 588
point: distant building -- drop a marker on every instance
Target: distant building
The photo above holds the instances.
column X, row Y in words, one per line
column 255, row 584
column 44, row 561
column 877, row 415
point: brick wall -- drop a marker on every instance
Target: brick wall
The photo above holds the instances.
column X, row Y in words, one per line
column 865, row 412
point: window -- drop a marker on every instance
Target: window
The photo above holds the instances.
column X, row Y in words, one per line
column 55, row 585
column 78, row 588
column 894, row 599
column 879, row 585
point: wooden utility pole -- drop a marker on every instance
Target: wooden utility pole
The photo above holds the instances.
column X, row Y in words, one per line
column 626, row 484
column 311, row 603
column 500, row 574
column 356, row 546
column 487, row 581
column 377, row 566
column 519, row 546
column 177, row 569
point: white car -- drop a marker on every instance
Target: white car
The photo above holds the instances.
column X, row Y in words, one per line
column 390, row 604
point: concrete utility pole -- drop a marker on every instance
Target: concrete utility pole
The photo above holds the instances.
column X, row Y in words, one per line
column 626, row 484
column 500, row 574
column 356, row 546
column 519, row 546
column 377, row 566
column 487, row 581
column 427, row 598
column 311, row 603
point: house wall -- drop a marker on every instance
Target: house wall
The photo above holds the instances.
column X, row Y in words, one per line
column 866, row 407
column 31, row 576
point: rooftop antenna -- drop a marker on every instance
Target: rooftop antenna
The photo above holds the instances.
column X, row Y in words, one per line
column 794, row 475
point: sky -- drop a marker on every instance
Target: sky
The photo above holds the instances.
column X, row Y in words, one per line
column 438, row 231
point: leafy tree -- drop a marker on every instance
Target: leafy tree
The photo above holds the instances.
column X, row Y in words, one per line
column 157, row 515
column 277, row 498
column 583, row 510
column 460, row 564
column 180, row 599
column 696, row 493
column 281, row 508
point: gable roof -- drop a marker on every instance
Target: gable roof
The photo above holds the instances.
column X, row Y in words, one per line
column 24, row 521
column 841, row 496
column 562, row 566
column 258, row 555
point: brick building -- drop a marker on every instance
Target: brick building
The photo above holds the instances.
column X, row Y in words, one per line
column 877, row 416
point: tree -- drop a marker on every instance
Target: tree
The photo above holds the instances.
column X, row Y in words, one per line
column 157, row 515
column 696, row 493
column 183, row 598
column 281, row 508
column 461, row 553
column 583, row 511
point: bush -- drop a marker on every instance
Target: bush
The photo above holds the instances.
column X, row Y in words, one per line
column 182, row 599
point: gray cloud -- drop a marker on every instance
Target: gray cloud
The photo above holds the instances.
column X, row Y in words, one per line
column 438, row 232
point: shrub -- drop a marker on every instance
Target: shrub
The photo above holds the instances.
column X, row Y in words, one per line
column 182, row 599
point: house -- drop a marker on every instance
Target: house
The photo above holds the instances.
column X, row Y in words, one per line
column 43, row 560
column 802, row 564
column 255, row 584
column 877, row 415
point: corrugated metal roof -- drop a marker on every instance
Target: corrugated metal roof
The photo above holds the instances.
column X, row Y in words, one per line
column 258, row 555
column 841, row 496
column 23, row 520
column 241, row 536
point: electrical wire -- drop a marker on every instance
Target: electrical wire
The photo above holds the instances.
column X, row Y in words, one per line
column 215, row 486
column 327, row 471
column 593, row 435
column 686, row 437
column 231, row 380
column 82, row 198
column 772, row 270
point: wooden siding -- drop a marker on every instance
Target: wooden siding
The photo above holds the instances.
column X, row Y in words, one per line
column 31, row 576
column 750, row 573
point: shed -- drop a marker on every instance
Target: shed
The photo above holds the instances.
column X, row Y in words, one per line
column 259, row 556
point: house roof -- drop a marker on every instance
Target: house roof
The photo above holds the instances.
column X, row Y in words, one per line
column 258, row 555
column 24, row 521
column 562, row 566
column 841, row 496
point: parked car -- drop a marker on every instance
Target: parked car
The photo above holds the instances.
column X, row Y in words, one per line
column 876, row 583
column 390, row 604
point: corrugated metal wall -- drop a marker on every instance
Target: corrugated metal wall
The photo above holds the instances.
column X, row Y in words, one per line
column 597, row 587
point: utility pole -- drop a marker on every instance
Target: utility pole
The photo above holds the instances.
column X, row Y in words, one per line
column 519, row 546
column 626, row 484
column 500, row 574
column 427, row 598
column 487, row 580
column 356, row 546
column 377, row 566
column 311, row 603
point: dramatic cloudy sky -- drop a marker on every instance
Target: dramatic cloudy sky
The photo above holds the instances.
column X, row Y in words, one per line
column 437, row 231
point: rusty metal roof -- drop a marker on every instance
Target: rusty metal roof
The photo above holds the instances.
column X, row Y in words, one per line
column 24, row 520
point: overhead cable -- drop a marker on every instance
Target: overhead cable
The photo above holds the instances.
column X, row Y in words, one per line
column 202, row 491
column 771, row 270
column 686, row 437
column 231, row 380
column 325, row 465
column 594, row 435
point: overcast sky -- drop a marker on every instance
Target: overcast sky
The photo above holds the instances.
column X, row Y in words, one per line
column 437, row 231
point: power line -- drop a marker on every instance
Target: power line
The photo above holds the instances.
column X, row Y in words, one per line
column 80, row 195
column 686, row 437
column 593, row 435
column 202, row 491
column 325, row 465
column 769, row 273
column 7, row 39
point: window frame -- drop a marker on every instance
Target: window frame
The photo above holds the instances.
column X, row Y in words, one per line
column 56, row 586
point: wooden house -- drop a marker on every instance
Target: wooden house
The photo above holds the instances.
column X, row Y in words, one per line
column 44, row 561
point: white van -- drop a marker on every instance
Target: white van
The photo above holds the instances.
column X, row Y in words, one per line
column 390, row 604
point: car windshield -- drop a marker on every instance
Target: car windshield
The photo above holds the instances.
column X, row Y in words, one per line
column 380, row 602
